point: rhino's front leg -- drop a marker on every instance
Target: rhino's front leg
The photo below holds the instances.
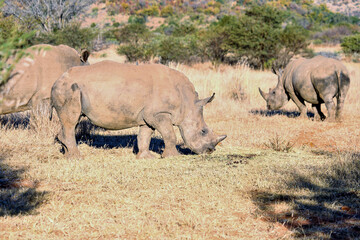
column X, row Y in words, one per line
column 164, row 125
column 300, row 104
column 143, row 140
column 319, row 115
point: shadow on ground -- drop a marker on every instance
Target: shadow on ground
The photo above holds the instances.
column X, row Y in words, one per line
column 84, row 135
column 15, row 120
column 318, row 212
column 17, row 196
column 269, row 113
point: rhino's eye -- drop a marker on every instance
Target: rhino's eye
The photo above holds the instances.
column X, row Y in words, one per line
column 273, row 93
column 204, row 131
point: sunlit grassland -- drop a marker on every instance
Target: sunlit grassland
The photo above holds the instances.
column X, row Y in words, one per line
column 244, row 190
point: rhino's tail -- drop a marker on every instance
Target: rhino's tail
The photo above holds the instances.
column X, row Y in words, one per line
column 338, row 76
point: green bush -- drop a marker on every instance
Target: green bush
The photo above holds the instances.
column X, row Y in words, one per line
column 132, row 33
column 7, row 26
column 252, row 39
column 178, row 49
column 167, row 11
column 136, row 52
column 150, row 11
column 72, row 35
column 351, row 44
column 137, row 19
column 183, row 29
column 257, row 37
column 213, row 44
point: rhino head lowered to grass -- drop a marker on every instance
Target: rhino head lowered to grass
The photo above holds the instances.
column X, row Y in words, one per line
column 118, row 96
column 33, row 76
column 317, row 80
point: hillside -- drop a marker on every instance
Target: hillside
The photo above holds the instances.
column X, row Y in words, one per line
column 346, row 7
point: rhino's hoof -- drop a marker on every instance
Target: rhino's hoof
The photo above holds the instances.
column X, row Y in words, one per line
column 171, row 153
column 145, row 154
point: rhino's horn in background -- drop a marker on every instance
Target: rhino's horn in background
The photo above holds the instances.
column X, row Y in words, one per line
column 264, row 95
column 219, row 139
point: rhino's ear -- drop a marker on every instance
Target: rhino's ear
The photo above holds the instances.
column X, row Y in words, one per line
column 273, row 70
column 277, row 72
column 84, row 55
column 204, row 101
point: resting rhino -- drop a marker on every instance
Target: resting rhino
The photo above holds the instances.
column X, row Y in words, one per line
column 317, row 80
column 33, row 76
column 118, row 96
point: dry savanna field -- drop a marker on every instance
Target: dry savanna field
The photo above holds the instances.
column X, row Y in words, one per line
column 276, row 176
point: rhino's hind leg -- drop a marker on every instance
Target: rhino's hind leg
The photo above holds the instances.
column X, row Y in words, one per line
column 69, row 114
column 330, row 106
column 339, row 108
column 164, row 125
column 340, row 104
column 319, row 115
column 143, row 140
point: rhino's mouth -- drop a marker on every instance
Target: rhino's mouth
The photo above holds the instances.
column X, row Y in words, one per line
column 209, row 150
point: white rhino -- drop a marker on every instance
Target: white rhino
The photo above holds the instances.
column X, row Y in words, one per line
column 317, row 80
column 33, row 76
column 118, row 96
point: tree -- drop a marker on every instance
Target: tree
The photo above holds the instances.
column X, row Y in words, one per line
column 49, row 14
column 351, row 44
column 213, row 44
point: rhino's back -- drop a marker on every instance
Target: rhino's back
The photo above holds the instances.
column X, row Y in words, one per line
column 38, row 71
column 124, row 93
column 33, row 76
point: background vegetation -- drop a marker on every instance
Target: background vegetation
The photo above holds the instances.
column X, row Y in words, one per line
column 261, row 33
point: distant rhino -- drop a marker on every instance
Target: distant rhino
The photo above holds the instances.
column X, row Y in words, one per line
column 317, row 80
column 118, row 96
column 33, row 76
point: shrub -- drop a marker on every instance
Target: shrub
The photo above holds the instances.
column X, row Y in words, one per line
column 132, row 33
column 137, row 19
column 333, row 35
column 150, row 11
column 252, row 39
column 72, row 35
column 178, row 49
column 167, row 11
column 351, row 44
column 136, row 52
column 184, row 29
column 7, row 26
column 214, row 44
column 212, row 10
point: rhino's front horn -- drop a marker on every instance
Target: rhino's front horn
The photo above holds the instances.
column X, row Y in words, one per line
column 219, row 139
column 264, row 95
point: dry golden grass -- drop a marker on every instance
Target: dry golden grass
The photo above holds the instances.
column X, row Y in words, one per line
column 245, row 190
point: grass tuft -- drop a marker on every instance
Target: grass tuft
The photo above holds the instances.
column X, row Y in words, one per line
column 278, row 144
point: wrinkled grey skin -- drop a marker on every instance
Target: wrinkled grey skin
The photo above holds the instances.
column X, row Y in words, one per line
column 33, row 76
column 118, row 96
column 317, row 80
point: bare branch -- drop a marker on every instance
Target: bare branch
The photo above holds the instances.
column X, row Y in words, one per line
column 50, row 14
